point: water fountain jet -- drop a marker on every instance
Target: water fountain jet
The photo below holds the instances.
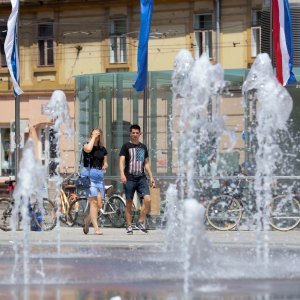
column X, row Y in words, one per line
column 30, row 188
column 194, row 84
column 274, row 108
column 57, row 108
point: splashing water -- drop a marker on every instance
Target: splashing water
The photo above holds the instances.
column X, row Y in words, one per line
column 58, row 110
column 274, row 108
column 194, row 83
column 193, row 217
column 29, row 190
column 31, row 184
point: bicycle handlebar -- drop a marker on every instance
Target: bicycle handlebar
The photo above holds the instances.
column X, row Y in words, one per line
column 72, row 175
column 10, row 181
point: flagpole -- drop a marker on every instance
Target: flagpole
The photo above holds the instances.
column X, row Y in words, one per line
column 17, row 134
column 271, row 33
column 11, row 48
column 17, row 111
column 145, row 114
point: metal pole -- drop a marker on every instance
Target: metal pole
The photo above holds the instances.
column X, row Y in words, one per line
column 247, row 129
column 218, row 31
column 254, row 145
column 218, row 61
column 218, row 48
column 145, row 114
column 17, row 112
column 17, row 134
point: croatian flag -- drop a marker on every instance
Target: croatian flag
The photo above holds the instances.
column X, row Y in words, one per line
column 283, row 41
column 11, row 47
column 146, row 17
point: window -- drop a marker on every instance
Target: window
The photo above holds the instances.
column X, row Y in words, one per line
column 203, row 35
column 264, row 23
column 47, row 149
column 46, row 44
column 255, row 33
column 7, row 156
column 255, row 41
column 118, row 49
column 3, row 30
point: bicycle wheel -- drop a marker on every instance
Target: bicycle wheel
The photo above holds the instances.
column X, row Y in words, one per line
column 284, row 212
column 224, row 212
column 45, row 217
column 78, row 211
column 115, row 210
column 5, row 214
column 64, row 207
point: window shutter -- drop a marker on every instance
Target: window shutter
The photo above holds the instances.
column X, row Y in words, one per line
column 265, row 31
column 295, row 13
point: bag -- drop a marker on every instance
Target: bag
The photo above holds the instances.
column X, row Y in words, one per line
column 83, row 183
column 155, row 201
column 39, row 218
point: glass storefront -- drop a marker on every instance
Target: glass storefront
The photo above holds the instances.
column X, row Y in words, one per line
column 109, row 101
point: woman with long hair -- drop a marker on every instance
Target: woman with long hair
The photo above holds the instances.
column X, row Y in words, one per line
column 94, row 166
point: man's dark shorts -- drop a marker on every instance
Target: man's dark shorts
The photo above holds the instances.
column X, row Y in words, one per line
column 141, row 186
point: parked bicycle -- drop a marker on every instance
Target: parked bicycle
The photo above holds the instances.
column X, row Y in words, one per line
column 285, row 212
column 225, row 211
column 67, row 196
column 42, row 217
column 113, row 208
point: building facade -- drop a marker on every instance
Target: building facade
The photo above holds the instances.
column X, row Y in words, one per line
column 61, row 40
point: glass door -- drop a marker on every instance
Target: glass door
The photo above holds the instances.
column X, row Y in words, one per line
column 44, row 146
column 47, row 149
column 7, row 162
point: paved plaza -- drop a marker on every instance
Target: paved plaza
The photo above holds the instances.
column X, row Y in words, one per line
column 116, row 237
column 66, row 264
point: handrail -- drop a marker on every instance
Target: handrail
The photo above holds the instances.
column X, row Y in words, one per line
column 244, row 177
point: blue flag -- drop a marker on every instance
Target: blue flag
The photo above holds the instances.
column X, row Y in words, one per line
column 142, row 61
column 11, row 47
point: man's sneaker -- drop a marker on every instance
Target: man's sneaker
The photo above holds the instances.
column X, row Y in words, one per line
column 141, row 227
column 129, row 230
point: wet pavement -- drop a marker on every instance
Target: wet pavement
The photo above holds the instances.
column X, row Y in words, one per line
column 66, row 264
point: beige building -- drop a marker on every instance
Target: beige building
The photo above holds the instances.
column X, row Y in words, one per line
column 61, row 39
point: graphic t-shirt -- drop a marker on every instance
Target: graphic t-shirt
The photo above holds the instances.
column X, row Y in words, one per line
column 95, row 158
column 135, row 156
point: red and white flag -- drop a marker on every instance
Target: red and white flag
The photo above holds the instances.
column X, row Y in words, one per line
column 283, row 41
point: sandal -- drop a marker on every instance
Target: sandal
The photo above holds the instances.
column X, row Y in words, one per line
column 98, row 233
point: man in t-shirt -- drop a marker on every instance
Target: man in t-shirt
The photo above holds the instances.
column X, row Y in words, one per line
column 133, row 163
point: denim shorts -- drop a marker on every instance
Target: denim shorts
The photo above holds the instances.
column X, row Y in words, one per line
column 97, row 182
column 141, row 186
